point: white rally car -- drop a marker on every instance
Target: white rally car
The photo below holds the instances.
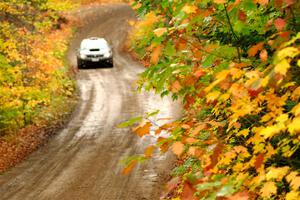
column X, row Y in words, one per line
column 94, row 50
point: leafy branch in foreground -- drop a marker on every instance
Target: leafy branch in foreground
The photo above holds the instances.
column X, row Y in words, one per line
column 236, row 66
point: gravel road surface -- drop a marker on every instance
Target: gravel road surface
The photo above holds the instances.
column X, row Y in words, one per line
column 82, row 161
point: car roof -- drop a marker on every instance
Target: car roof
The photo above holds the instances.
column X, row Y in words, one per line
column 93, row 42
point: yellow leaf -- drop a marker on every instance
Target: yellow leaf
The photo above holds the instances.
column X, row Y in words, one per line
column 282, row 67
column 160, row 31
column 270, row 131
column 268, row 189
column 178, row 148
column 212, row 96
column 293, row 195
column 295, row 183
column 244, row 133
column 265, row 81
column 287, row 52
column 294, row 127
column 294, row 180
column 282, row 118
column 296, row 109
column 224, row 97
column 277, row 173
column 189, row 9
column 291, row 176
column 219, row 78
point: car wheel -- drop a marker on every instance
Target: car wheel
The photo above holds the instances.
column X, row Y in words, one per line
column 111, row 63
column 79, row 64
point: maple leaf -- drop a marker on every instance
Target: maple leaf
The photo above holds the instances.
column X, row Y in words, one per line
column 142, row 129
column 254, row 49
column 187, row 192
column 268, row 189
column 178, row 148
column 290, row 52
column 296, row 109
column 259, row 161
column 277, row 173
column 163, row 144
column 149, row 151
column 293, row 195
column 215, row 156
column 160, row 31
column 280, row 24
column 282, row 67
column 176, row 86
column 212, row 96
column 270, row 131
column 129, row 167
column 199, row 73
column 263, row 55
column 294, row 127
column 155, row 55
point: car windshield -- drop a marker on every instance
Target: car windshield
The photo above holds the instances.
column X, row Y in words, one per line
column 94, row 44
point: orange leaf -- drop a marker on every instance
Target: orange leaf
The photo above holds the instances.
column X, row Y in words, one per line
column 219, row 1
column 259, row 161
column 254, row 49
column 142, row 129
column 263, row 55
column 149, row 151
column 129, row 167
column 263, row 2
column 190, row 140
column 280, row 24
column 181, row 44
column 268, row 189
column 176, row 86
column 199, row 73
column 164, row 144
column 200, row 127
column 189, row 9
column 215, row 156
column 187, row 192
column 178, row 148
column 239, row 196
column 155, row 55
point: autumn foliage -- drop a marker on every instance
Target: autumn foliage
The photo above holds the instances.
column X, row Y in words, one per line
column 34, row 81
column 236, row 66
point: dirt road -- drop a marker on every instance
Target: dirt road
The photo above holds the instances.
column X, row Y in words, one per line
column 83, row 160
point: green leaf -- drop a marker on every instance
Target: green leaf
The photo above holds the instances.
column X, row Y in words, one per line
column 130, row 122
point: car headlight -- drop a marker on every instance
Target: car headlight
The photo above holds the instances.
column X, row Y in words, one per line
column 107, row 54
column 83, row 56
